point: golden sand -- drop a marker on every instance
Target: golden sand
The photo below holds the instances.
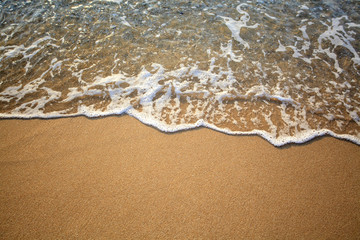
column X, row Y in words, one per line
column 116, row 178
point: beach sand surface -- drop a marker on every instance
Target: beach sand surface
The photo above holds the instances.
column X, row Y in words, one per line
column 116, row 178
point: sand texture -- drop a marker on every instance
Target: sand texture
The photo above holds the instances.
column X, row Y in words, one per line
column 116, row 178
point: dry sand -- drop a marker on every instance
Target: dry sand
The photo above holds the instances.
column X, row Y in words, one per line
column 116, row 178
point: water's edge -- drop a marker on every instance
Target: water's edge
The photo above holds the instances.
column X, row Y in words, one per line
column 304, row 138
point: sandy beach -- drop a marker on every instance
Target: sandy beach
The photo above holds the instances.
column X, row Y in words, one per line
column 116, row 178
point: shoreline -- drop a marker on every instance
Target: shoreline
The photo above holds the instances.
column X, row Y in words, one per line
column 115, row 177
column 165, row 129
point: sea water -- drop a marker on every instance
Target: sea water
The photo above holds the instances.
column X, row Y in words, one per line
column 285, row 70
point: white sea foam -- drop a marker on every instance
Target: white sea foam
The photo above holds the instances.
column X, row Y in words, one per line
column 236, row 26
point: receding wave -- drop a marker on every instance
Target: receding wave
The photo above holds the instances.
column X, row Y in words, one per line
column 285, row 70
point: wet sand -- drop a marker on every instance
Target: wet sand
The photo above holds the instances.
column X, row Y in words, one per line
column 116, row 178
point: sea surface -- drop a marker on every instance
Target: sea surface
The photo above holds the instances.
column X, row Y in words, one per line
column 285, row 70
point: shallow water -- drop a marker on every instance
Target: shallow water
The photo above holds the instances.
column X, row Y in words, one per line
column 286, row 70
